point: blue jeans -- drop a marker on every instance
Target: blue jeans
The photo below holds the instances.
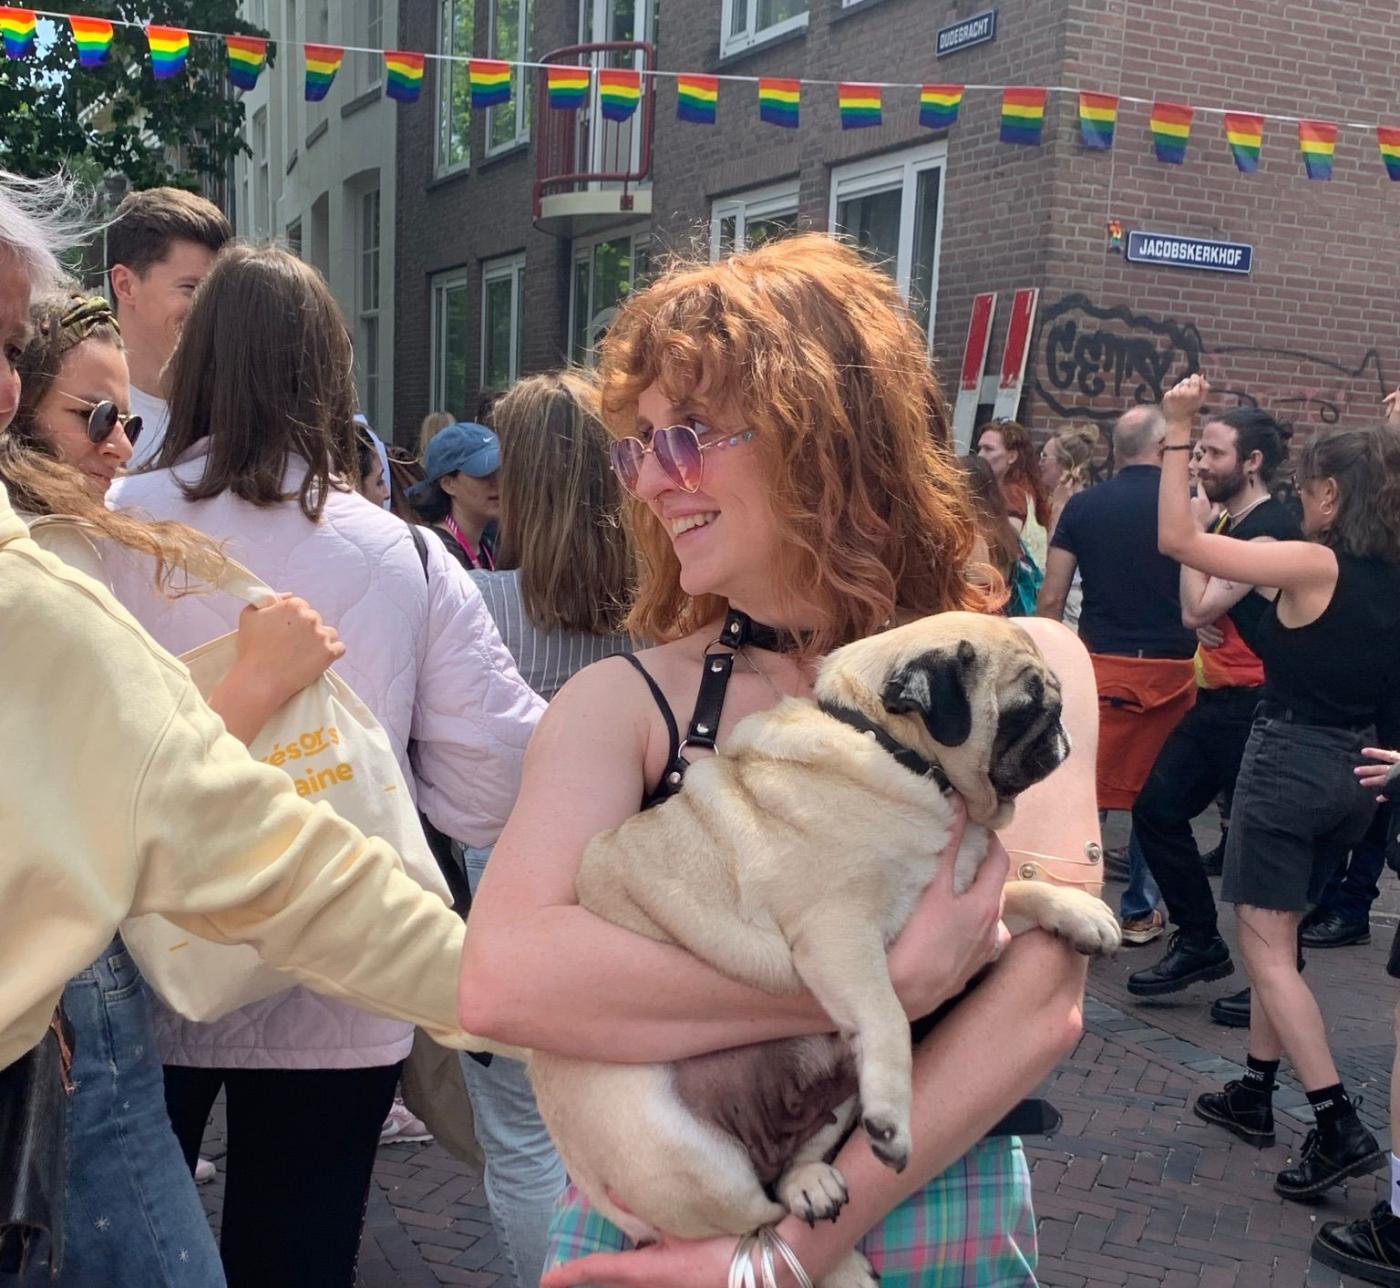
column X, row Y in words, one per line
column 524, row 1174
column 133, row 1219
column 1140, row 896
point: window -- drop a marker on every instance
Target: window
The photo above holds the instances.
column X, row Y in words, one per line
column 502, row 285
column 752, row 218
column 456, row 24
column 294, row 237
column 292, row 97
column 262, row 189
column 509, row 124
column 367, row 301
column 369, row 68
column 892, row 206
column 451, row 319
column 749, row 22
column 605, row 273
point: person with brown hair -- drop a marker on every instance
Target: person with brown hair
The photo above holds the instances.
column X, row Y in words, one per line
column 770, row 419
column 1006, row 446
column 459, row 497
column 1065, row 462
column 160, row 243
column 1003, row 546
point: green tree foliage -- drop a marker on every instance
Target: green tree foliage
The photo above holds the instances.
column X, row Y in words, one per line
column 118, row 119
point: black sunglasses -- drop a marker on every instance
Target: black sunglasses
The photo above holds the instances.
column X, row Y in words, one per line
column 103, row 419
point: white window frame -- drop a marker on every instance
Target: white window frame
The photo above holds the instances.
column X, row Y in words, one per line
column 456, row 279
column 757, row 203
column 640, row 235
column 446, row 73
column 520, row 86
column 750, row 35
column 260, row 212
column 367, row 310
column 508, row 268
column 876, row 174
column 369, row 30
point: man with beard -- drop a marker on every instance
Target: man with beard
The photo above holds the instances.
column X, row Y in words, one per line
column 1240, row 451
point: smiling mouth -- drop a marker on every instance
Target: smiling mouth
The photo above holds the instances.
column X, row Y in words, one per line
column 687, row 522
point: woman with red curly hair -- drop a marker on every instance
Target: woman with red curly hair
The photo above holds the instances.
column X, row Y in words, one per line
column 785, row 449
column 1006, row 446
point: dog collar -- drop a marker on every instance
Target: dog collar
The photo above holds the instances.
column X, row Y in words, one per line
column 906, row 756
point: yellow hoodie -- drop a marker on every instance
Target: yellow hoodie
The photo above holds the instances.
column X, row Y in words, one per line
column 121, row 793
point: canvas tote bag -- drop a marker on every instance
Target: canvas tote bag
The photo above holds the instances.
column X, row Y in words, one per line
column 332, row 747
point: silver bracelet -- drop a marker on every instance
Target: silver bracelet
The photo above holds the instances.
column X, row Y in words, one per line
column 771, row 1237
column 744, row 1274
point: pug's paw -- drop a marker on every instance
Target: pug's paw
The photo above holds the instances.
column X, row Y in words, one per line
column 813, row 1192
column 1086, row 922
column 889, row 1141
column 853, row 1272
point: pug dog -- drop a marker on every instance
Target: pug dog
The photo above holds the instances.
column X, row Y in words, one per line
column 793, row 860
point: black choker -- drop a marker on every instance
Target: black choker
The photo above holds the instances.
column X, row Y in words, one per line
column 905, row 756
column 740, row 629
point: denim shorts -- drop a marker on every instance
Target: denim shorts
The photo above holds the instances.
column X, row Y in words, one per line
column 1298, row 810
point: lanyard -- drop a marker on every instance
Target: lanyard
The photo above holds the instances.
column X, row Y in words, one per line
column 480, row 556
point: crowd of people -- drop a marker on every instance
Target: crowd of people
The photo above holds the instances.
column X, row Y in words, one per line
column 762, row 447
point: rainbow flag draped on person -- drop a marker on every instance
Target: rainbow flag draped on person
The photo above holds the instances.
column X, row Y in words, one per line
column 1022, row 115
column 779, row 101
column 1245, row 133
column 170, row 46
column 322, row 63
column 938, row 105
column 247, row 55
column 1098, row 116
column 1388, row 139
column 860, row 105
column 1171, row 131
column 1317, row 140
column 94, row 40
column 403, row 80
column 18, row 27
column 490, row 82
column 619, row 92
column 697, row 98
column 567, row 87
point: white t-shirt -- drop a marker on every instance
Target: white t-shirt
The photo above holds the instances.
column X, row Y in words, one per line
column 155, row 416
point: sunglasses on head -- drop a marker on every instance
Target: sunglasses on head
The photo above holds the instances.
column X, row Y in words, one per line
column 678, row 451
column 103, row 419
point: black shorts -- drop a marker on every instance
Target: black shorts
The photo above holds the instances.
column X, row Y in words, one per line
column 1298, row 810
column 1392, row 967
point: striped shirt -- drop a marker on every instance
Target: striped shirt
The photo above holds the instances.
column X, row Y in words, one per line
column 546, row 659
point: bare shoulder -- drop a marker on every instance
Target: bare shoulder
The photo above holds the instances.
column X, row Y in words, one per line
column 1062, row 649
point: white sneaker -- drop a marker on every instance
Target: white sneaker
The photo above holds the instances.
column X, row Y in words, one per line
column 205, row 1171
column 403, row 1127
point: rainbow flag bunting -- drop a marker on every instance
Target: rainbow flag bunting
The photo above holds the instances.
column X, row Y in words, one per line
column 567, row 87
column 938, row 105
column 697, row 98
column 247, row 55
column 18, row 26
column 404, row 75
column 1171, row 130
column 1022, row 115
column 860, row 105
column 1388, row 136
column 1317, row 140
column 170, row 46
column 322, row 63
column 94, row 38
column 490, row 82
column 779, row 101
column 1245, row 132
column 619, row 92
column 1098, row 115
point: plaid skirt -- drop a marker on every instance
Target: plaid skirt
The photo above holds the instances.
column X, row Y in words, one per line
column 971, row 1227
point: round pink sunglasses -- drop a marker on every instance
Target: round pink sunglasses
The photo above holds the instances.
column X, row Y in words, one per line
column 678, row 450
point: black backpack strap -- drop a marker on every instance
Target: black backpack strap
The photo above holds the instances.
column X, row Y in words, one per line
column 420, row 544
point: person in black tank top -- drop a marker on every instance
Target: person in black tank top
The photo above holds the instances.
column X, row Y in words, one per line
column 1330, row 644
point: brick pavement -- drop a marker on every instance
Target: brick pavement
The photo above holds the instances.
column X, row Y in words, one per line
column 1134, row 1191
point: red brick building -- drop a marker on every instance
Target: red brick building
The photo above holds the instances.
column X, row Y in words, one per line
column 487, row 289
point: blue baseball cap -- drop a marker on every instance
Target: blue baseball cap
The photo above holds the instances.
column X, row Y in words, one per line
column 465, row 447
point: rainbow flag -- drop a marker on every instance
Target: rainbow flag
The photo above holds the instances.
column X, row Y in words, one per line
column 322, row 63
column 247, row 55
column 18, row 27
column 619, row 92
column 938, row 105
column 860, row 105
column 1171, row 130
column 1388, row 136
column 1098, row 115
column 94, row 37
column 170, row 46
column 779, row 101
column 1245, row 132
column 490, row 82
column 1318, row 141
column 697, row 98
column 1022, row 115
column 404, row 79
column 567, row 87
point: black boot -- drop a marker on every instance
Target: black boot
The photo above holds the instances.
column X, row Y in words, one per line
column 1367, row 1249
column 1232, row 1011
column 1332, row 930
column 1188, row 961
column 1240, row 1110
column 1330, row 1154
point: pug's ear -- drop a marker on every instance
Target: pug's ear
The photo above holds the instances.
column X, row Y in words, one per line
column 936, row 687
